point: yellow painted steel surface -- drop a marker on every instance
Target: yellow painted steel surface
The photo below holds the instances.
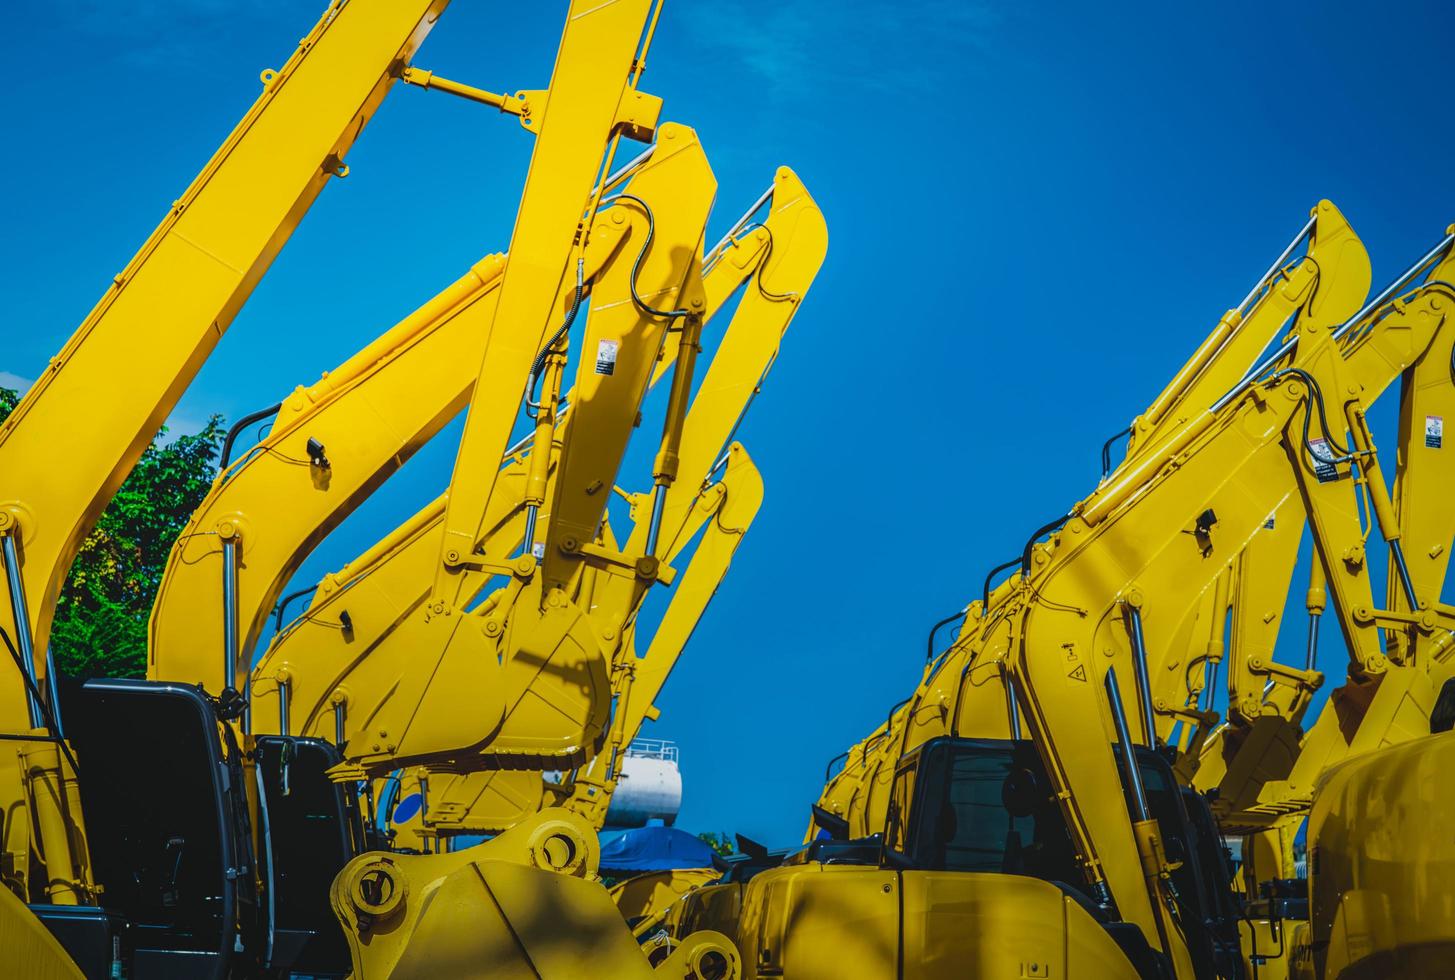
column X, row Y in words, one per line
column 1381, row 862
column 591, row 79
column 551, row 919
column 493, row 636
column 489, row 801
column 29, row 949
column 646, row 894
column 778, row 262
column 371, row 414
column 813, row 921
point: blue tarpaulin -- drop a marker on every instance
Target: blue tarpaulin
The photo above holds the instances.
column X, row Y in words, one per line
column 654, row 848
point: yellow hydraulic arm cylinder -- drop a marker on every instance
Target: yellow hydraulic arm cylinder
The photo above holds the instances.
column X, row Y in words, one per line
column 1183, row 509
column 785, row 251
column 591, row 98
column 104, row 396
column 1425, row 464
column 1265, row 774
column 590, row 87
column 669, row 201
column 1383, row 703
column 1264, row 575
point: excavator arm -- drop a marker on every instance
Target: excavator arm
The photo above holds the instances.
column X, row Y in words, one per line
column 104, row 396
column 1386, row 699
column 1320, row 289
column 331, row 677
column 1332, row 276
column 161, row 315
column 540, row 638
column 1148, row 542
column 1116, row 591
column 591, row 100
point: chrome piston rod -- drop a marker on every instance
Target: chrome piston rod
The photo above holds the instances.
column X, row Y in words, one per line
column 715, row 252
column 229, row 614
column 23, row 638
column 1287, row 346
column 1273, row 269
column 1012, row 710
column 1144, row 683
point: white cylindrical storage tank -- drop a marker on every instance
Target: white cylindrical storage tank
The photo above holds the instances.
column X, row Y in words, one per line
column 649, row 786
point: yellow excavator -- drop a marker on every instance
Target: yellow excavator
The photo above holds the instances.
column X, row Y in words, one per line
column 315, row 667
column 1085, row 821
column 784, row 250
column 155, row 881
column 1050, row 800
column 716, row 496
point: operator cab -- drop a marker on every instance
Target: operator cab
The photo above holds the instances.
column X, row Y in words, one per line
column 981, row 805
column 165, row 793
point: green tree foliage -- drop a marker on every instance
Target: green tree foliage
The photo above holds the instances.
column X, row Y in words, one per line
column 100, row 625
column 721, row 844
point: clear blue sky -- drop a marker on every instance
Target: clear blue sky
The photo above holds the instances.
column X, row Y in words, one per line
column 1036, row 211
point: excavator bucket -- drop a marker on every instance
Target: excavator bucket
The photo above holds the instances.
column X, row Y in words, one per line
column 521, row 906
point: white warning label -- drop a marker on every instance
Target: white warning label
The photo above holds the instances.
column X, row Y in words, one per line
column 606, row 356
column 1434, row 431
column 1269, row 523
column 1323, row 456
column 538, row 550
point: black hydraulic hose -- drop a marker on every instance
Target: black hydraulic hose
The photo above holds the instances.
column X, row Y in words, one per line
column 930, row 646
column 1318, row 400
column 1106, row 449
column 641, row 255
column 889, row 718
column 539, row 364
column 241, row 424
column 283, row 604
column 763, row 264
column 1030, row 544
column 990, row 577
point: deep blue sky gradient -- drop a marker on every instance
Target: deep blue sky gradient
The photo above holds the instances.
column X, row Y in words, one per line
column 1036, row 210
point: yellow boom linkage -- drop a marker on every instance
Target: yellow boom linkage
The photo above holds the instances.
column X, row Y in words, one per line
column 330, row 446
column 779, row 259
column 386, row 677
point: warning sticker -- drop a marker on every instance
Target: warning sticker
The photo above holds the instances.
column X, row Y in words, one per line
column 606, row 356
column 1079, row 674
column 1324, row 467
column 1434, row 431
column 1268, row 524
column 538, row 550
